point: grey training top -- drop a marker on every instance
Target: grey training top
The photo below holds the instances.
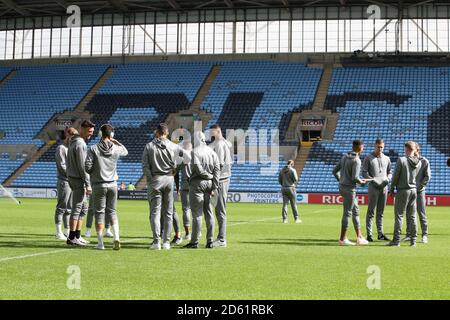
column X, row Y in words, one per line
column 61, row 161
column 377, row 167
column 287, row 177
column 160, row 158
column 222, row 148
column 205, row 165
column 101, row 161
column 347, row 170
column 423, row 174
column 76, row 156
column 405, row 173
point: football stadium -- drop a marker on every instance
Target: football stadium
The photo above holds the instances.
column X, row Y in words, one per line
column 248, row 150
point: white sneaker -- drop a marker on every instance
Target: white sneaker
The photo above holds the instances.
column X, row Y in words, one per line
column 155, row 246
column 346, row 242
column 425, row 239
column 77, row 242
column 298, row 220
column 361, row 241
column 405, row 239
column 60, row 236
column 82, row 240
column 219, row 243
column 66, row 233
column 166, row 246
column 88, row 233
column 100, row 247
column 187, row 237
column 285, row 221
column 108, row 234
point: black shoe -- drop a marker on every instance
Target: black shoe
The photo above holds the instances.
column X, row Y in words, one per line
column 393, row 244
column 383, row 237
column 191, row 246
column 209, row 245
column 369, row 238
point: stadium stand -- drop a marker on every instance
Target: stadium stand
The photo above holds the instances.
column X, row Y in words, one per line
column 390, row 102
column 270, row 91
column 4, row 72
column 30, row 98
column 394, row 103
column 134, row 100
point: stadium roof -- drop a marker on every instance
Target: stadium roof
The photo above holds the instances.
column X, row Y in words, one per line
column 29, row 8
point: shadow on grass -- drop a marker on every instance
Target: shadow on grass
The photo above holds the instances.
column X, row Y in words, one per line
column 39, row 244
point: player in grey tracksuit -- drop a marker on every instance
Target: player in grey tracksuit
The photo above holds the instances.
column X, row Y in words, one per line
column 347, row 172
column 203, row 184
column 288, row 180
column 377, row 168
column 79, row 181
column 101, row 164
column 222, row 148
column 62, row 212
column 422, row 179
column 159, row 161
column 404, row 180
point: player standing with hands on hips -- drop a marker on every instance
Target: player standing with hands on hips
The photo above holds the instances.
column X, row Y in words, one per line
column 347, row 172
column 101, row 164
column 288, row 179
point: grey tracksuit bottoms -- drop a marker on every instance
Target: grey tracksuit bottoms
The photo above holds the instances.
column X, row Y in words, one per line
column 405, row 202
column 91, row 215
column 377, row 198
column 185, row 205
column 63, row 206
column 104, row 200
column 351, row 208
column 175, row 222
column 221, row 208
column 160, row 197
column 199, row 197
column 79, row 199
column 421, row 211
column 289, row 196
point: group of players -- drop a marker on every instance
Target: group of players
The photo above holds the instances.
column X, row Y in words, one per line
column 87, row 185
column 407, row 184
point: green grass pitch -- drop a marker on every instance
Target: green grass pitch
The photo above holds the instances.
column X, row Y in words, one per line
column 265, row 259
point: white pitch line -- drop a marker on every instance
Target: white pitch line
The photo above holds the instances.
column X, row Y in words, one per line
column 32, row 255
column 52, row 252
